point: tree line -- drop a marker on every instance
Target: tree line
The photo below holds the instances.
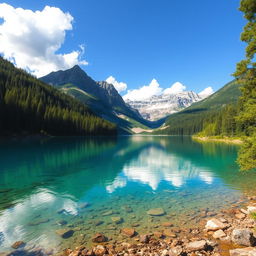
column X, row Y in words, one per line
column 28, row 105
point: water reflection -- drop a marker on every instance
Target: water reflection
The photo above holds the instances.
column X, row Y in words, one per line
column 42, row 182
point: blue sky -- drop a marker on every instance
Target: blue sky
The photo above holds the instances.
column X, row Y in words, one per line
column 194, row 42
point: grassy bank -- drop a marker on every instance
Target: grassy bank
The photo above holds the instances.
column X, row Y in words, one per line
column 221, row 139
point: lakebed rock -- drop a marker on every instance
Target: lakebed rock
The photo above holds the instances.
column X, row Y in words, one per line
column 156, row 212
column 243, row 237
column 18, row 244
column 130, row 232
column 65, row 233
column 219, row 234
column 99, row 238
column 117, row 219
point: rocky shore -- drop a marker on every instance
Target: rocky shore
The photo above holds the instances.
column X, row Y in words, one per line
column 232, row 232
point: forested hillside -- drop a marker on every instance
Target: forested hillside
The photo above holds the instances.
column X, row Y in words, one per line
column 220, row 106
column 28, row 105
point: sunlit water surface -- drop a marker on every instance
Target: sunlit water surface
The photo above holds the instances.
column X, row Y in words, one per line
column 45, row 183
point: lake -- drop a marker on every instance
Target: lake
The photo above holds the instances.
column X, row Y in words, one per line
column 47, row 185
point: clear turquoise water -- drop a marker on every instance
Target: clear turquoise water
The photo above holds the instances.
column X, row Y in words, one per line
column 43, row 182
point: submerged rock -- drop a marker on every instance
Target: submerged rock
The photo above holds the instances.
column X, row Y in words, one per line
column 99, row 238
column 108, row 213
column 156, row 212
column 219, row 234
column 169, row 233
column 18, row 244
column 65, row 233
column 243, row 237
column 117, row 219
column 36, row 223
column 128, row 232
column 167, row 224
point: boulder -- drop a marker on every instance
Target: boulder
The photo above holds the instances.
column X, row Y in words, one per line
column 156, row 212
column 18, row 244
column 196, row 246
column 65, row 233
column 214, row 224
column 248, row 251
column 243, row 237
column 219, row 234
column 130, row 232
column 99, row 238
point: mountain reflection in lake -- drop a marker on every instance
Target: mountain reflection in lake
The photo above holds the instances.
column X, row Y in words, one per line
column 44, row 185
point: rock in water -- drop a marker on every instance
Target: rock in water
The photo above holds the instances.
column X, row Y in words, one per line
column 215, row 224
column 99, row 238
column 18, row 245
column 243, row 237
column 65, row 233
column 249, row 251
column 196, row 246
column 156, row 212
column 117, row 220
column 169, row 233
column 128, row 232
column 219, row 234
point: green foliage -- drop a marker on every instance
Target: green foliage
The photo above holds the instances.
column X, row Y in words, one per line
column 246, row 75
column 29, row 105
column 253, row 215
column 195, row 118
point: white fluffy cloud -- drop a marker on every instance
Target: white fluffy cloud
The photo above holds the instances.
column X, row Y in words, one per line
column 147, row 91
column 144, row 92
column 175, row 88
column 120, row 86
column 32, row 39
column 206, row 92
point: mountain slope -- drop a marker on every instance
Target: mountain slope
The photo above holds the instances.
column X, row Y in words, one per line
column 28, row 105
column 163, row 105
column 191, row 120
column 101, row 97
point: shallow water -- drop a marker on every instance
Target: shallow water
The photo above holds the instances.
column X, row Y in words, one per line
column 45, row 183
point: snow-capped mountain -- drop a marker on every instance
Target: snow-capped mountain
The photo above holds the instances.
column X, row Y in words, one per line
column 159, row 106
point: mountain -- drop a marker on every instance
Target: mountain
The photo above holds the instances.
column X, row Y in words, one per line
column 28, row 105
column 101, row 97
column 191, row 120
column 163, row 105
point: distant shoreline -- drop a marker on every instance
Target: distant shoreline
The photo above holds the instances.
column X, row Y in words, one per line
column 227, row 140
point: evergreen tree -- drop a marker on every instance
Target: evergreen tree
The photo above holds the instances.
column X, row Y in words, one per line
column 246, row 75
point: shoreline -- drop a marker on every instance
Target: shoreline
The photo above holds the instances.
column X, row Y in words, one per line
column 229, row 232
column 227, row 140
